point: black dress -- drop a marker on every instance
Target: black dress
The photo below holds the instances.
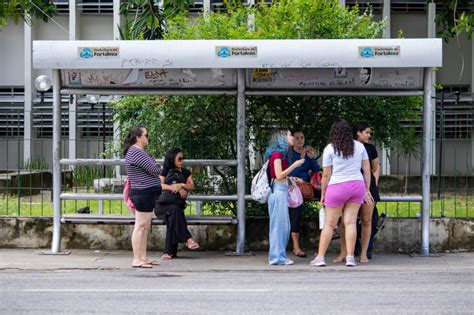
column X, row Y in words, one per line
column 372, row 153
column 171, row 206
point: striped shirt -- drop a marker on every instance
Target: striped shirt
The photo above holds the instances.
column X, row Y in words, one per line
column 142, row 169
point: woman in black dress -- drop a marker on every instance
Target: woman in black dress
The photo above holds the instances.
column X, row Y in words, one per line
column 176, row 182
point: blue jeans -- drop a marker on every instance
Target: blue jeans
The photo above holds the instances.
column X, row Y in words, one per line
column 279, row 224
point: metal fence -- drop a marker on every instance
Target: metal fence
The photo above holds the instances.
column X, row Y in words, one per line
column 25, row 188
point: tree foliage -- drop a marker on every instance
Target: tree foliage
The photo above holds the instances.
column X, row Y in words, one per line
column 144, row 19
column 453, row 19
column 205, row 126
column 26, row 10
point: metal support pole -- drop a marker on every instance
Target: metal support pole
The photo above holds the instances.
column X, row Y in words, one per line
column 101, row 207
column 28, row 73
column 427, row 160
column 206, row 7
column 241, row 148
column 56, row 244
column 432, row 34
column 387, row 33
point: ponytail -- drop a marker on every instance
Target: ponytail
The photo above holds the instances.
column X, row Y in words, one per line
column 131, row 138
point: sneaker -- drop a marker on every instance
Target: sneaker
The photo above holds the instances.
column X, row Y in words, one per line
column 318, row 262
column 289, row 262
column 350, row 261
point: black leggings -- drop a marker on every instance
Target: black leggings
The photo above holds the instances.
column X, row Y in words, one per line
column 176, row 228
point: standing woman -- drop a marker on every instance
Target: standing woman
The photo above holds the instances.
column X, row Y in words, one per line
column 368, row 212
column 279, row 231
column 176, row 182
column 344, row 189
column 368, row 217
column 143, row 173
column 302, row 174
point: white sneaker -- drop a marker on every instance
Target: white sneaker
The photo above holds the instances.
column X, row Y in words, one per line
column 289, row 262
column 350, row 261
column 318, row 262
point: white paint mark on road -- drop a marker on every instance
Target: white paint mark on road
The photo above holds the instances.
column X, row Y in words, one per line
column 145, row 290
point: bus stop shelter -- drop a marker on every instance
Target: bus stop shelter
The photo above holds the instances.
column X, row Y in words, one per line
column 241, row 68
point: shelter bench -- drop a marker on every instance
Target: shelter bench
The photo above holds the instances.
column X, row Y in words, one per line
column 191, row 219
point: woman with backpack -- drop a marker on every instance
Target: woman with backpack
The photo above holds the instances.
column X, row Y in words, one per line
column 176, row 182
column 143, row 175
column 279, row 230
column 344, row 188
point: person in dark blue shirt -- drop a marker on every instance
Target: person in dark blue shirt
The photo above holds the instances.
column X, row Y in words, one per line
column 297, row 152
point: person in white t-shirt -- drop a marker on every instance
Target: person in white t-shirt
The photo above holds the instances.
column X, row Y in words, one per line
column 343, row 188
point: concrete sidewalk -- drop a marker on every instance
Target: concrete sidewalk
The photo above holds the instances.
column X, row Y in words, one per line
column 23, row 259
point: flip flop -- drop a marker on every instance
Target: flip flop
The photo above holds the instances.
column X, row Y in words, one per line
column 339, row 260
column 300, row 253
column 167, row 257
column 144, row 265
column 154, row 263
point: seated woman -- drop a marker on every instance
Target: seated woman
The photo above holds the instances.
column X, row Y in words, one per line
column 176, row 182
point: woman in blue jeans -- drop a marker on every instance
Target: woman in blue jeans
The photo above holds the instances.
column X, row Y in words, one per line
column 279, row 231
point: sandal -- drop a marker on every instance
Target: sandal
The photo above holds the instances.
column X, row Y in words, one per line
column 364, row 260
column 143, row 265
column 339, row 259
column 153, row 262
column 167, row 256
column 300, row 253
column 191, row 244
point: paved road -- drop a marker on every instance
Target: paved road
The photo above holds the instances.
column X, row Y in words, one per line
column 212, row 283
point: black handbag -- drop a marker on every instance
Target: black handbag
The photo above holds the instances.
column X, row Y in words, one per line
column 169, row 198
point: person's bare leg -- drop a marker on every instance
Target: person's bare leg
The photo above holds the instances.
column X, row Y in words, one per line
column 295, row 237
column 144, row 240
column 331, row 217
column 366, row 221
column 342, row 244
column 140, row 228
column 349, row 217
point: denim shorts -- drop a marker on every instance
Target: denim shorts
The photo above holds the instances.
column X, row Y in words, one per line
column 144, row 199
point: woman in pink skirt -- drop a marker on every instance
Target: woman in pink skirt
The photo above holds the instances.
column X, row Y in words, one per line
column 344, row 188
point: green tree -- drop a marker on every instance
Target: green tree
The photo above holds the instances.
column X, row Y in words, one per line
column 26, row 10
column 453, row 19
column 409, row 148
column 205, row 126
column 145, row 20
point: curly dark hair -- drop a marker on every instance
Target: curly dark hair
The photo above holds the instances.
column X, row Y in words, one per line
column 341, row 139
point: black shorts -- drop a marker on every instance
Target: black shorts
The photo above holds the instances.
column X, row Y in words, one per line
column 144, row 199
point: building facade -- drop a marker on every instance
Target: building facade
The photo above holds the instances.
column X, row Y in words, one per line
column 26, row 114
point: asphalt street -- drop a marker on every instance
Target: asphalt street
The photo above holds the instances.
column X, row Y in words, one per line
column 211, row 283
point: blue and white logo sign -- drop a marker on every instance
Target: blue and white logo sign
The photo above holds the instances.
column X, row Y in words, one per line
column 379, row 52
column 367, row 52
column 224, row 52
column 86, row 53
column 236, row 52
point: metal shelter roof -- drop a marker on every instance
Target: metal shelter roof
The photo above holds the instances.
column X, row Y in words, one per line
column 238, row 54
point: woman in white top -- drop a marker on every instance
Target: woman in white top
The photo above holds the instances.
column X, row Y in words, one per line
column 344, row 188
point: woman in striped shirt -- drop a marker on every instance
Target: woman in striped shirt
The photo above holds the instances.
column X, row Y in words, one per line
column 143, row 173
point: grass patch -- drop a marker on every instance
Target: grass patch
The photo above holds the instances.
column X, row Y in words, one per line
column 40, row 205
